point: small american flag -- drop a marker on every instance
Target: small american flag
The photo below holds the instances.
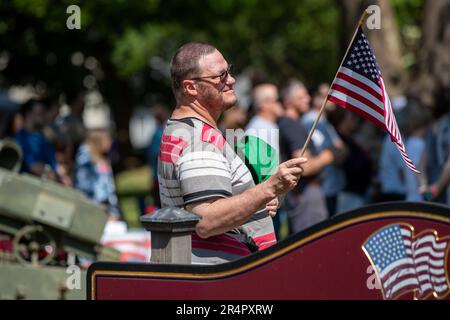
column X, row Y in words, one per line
column 404, row 263
column 359, row 87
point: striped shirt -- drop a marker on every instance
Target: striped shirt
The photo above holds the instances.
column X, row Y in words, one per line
column 195, row 164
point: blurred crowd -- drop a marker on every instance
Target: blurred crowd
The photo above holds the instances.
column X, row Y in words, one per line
column 57, row 144
column 351, row 163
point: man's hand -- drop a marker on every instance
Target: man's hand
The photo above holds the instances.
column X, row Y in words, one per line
column 272, row 207
column 286, row 176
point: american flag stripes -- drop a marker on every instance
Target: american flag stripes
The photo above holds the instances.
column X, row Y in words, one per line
column 359, row 87
column 405, row 263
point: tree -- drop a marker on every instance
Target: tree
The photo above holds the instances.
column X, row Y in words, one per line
column 433, row 70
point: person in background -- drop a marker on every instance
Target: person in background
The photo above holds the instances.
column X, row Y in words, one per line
column 419, row 119
column 305, row 205
column 11, row 123
column 93, row 172
column 357, row 166
column 161, row 114
column 38, row 153
column 437, row 159
column 51, row 130
column 326, row 137
column 70, row 124
column 268, row 109
column 59, row 141
column 391, row 175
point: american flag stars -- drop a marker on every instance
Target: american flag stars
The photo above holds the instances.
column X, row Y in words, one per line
column 386, row 247
column 363, row 54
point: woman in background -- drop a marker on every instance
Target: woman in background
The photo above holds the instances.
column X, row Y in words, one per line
column 93, row 172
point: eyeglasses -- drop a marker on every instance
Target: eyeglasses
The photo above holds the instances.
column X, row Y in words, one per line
column 223, row 76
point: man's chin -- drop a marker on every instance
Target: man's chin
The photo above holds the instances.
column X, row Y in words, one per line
column 229, row 103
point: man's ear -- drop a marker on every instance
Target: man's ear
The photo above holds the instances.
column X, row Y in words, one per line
column 189, row 88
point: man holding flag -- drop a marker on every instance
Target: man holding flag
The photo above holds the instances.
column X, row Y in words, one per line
column 200, row 171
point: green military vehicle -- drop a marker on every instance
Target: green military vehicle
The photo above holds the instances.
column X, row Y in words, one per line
column 49, row 234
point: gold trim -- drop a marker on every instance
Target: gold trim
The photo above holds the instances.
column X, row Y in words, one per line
column 413, row 237
column 274, row 255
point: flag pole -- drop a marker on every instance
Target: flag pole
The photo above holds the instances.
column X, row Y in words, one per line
column 316, row 121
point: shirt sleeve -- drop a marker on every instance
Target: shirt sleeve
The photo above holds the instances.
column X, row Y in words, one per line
column 203, row 175
column 293, row 134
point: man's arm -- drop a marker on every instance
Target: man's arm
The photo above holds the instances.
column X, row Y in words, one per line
column 315, row 164
column 220, row 215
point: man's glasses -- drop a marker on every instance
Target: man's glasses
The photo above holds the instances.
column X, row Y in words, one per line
column 223, row 76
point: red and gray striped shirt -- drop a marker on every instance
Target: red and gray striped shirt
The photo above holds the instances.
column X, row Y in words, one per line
column 195, row 164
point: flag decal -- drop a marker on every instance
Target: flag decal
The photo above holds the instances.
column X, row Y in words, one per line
column 406, row 262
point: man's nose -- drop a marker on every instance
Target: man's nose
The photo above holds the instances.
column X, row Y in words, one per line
column 230, row 80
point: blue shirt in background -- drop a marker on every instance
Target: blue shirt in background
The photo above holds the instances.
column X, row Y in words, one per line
column 438, row 152
column 153, row 150
column 325, row 137
column 36, row 149
column 390, row 171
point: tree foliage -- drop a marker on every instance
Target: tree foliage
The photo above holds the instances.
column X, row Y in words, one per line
column 133, row 41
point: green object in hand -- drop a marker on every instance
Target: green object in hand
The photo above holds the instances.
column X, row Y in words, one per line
column 260, row 157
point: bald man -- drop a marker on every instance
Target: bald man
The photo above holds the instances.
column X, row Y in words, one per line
column 268, row 110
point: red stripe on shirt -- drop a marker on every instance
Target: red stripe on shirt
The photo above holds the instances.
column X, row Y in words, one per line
column 221, row 242
column 217, row 247
column 166, row 147
column 168, row 157
column 171, row 148
column 265, row 241
column 175, row 140
column 213, row 136
column 222, row 239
